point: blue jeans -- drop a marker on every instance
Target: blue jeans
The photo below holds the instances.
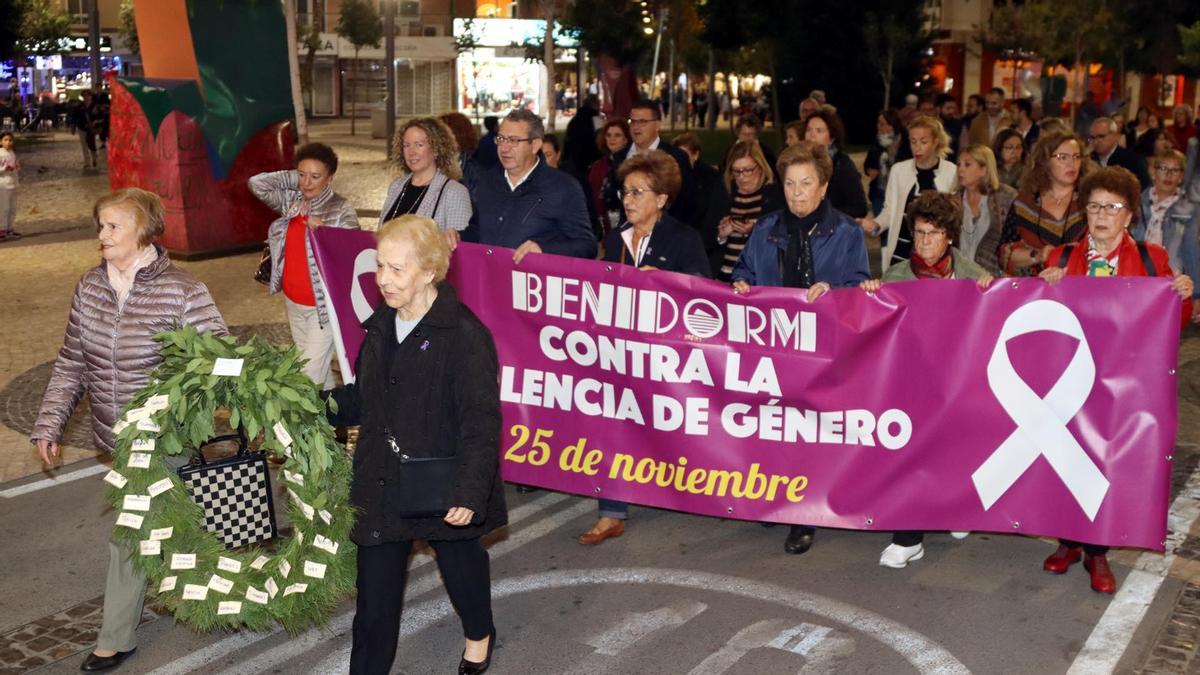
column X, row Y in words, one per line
column 613, row 509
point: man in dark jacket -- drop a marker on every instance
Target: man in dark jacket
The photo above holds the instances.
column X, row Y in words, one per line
column 1108, row 152
column 580, row 148
column 645, row 121
column 526, row 205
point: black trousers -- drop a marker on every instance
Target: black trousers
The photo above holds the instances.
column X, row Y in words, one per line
column 907, row 538
column 1089, row 549
column 382, row 571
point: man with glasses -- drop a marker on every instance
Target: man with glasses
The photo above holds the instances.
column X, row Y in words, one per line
column 645, row 120
column 1106, row 150
column 526, row 205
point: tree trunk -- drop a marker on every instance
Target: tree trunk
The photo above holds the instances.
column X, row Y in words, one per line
column 548, row 59
column 353, row 90
column 887, row 80
column 710, row 122
column 671, row 81
column 779, row 132
column 289, row 9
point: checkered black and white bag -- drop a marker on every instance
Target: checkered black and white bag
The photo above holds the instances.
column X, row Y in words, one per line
column 235, row 494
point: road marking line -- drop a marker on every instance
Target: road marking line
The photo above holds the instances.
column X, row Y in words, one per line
column 223, row 648
column 339, row 627
column 633, row 627
column 237, row 641
column 59, row 479
column 1113, row 633
column 754, row 636
column 924, row 654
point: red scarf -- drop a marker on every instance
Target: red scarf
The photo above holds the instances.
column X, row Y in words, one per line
column 942, row 269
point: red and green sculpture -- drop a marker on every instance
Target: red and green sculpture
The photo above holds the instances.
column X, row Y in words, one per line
column 213, row 109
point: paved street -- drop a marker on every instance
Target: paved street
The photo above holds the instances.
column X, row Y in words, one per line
column 677, row 594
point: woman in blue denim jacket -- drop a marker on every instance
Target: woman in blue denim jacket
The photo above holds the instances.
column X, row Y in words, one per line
column 1168, row 217
column 808, row 245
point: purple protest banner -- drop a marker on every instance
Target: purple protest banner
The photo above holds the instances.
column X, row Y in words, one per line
column 927, row 406
column 346, row 263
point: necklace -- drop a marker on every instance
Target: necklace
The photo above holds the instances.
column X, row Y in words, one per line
column 971, row 222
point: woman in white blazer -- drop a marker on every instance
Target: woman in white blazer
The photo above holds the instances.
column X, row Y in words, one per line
column 927, row 170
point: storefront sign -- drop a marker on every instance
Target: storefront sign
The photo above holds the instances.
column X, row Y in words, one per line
column 415, row 48
column 504, row 32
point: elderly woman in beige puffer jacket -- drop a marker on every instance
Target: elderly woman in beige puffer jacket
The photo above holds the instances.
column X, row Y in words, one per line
column 109, row 353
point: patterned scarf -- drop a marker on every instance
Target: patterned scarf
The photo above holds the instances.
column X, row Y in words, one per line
column 1099, row 264
column 1158, row 213
column 942, row 269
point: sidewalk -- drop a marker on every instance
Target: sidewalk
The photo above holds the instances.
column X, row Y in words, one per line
column 40, row 271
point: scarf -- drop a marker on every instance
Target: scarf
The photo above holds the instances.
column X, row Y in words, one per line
column 942, row 269
column 122, row 282
column 1099, row 264
column 1158, row 213
column 798, row 268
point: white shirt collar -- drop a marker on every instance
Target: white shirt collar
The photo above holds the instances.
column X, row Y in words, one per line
column 633, row 149
column 642, row 249
column 514, row 186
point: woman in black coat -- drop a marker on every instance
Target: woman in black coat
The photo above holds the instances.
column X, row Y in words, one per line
column 426, row 389
column 649, row 240
column 824, row 127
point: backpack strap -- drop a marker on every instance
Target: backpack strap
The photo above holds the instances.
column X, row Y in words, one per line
column 1147, row 263
column 1068, row 249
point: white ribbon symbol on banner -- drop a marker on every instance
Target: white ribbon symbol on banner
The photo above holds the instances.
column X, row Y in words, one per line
column 365, row 262
column 1042, row 423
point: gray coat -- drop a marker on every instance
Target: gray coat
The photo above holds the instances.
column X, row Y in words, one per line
column 109, row 352
column 447, row 201
column 280, row 190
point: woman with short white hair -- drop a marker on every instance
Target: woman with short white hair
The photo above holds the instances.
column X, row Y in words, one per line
column 427, row 463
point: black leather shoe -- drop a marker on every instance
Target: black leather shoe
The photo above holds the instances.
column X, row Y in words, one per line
column 526, row 489
column 799, row 539
column 466, row 667
column 94, row 663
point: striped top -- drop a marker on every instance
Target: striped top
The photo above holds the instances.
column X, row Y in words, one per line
column 1029, row 226
column 745, row 207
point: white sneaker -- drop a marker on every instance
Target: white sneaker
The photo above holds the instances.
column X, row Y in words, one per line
column 960, row 535
column 896, row 556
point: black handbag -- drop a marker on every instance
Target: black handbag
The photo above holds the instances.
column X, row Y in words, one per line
column 421, row 488
column 235, row 494
column 263, row 273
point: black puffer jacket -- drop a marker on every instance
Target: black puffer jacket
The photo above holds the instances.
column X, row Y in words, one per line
column 437, row 392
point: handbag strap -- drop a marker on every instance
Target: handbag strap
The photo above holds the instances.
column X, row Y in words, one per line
column 438, row 201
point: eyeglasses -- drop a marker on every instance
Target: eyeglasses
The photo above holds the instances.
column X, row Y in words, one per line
column 928, row 234
column 1109, row 209
column 639, row 122
column 1065, row 157
column 511, row 140
column 745, row 172
column 1013, row 146
column 1169, row 170
column 636, row 193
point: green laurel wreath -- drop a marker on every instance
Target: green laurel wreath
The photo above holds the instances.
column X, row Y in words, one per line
column 270, row 389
